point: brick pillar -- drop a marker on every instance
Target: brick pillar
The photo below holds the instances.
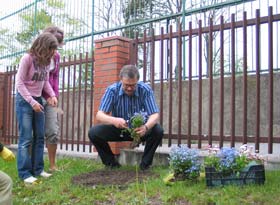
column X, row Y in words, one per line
column 110, row 55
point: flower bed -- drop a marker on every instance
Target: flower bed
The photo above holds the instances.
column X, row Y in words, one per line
column 229, row 166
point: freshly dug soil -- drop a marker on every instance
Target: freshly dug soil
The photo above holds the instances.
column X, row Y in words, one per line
column 111, row 177
column 120, row 178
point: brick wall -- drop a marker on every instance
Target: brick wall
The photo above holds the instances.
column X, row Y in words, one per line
column 111, row 54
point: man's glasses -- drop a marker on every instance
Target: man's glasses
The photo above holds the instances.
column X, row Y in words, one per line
column 129, row 85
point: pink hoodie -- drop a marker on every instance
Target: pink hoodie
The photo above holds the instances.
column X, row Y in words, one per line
column 31, row 81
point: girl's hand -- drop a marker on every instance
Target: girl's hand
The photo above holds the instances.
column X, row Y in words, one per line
column 38, row 107
column 52, row 101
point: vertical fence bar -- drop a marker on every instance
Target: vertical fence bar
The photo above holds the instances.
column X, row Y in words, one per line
column 5, row 104
column 199, row 83
column 190, row 87
column 152, row 56
column 145, row 56
column 221, row 82
column 73, row 103
column 179, row 77
column 232, row 138
column 258, row 82
column 35, row 17
column 170, row 81
column 210, row 72
column 62, row 104
column 91, row 93
column 16, row 125
column 67, row 121
column 133, row 52
column 161, row 73
column 85, row 103
column 10, row 104
column 13, row 132
column 67, row 103
column 79, row 101
column 245, row 92
column 136, row 48
column 270, row 67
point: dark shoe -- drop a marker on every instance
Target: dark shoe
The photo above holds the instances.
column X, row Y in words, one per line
column 113, row 165
column 144, row 167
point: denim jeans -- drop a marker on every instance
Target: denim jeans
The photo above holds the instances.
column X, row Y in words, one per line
column 31, row 126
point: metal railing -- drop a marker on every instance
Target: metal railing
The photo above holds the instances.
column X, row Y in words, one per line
column 204, row 105
column 195, row 108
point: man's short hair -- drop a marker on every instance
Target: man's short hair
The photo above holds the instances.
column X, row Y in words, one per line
column 129, row 71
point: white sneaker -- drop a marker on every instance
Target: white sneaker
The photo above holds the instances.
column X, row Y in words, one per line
column 45, row 174
column 30, row 180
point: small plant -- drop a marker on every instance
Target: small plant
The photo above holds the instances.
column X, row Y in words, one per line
column 184, row 162
column 230, row 160
column 137, row 120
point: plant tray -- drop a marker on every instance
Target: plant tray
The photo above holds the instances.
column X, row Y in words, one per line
column 254, row 175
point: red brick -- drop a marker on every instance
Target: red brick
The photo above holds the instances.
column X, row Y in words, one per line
column 110, row 55
column 101, row 51
column 119, row 49
column 111, row 72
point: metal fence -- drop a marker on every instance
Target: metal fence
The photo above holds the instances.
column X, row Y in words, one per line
column 88, row 20
column 195, row 108
column 237, row 103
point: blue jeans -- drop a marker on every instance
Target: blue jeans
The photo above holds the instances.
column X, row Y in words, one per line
column 30, row 159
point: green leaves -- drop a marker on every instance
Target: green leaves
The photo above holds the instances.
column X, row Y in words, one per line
column 137, row 120
column 229, row 160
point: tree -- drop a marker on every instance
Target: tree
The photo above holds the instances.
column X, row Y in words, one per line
column 32, row 23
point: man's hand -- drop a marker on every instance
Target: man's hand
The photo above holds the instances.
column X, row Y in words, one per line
column 141, row 130
column 120, row 123
column 7, row 154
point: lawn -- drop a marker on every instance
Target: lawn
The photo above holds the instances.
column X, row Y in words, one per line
column 60, row 190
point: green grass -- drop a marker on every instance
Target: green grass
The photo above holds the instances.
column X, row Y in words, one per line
column 59, row 190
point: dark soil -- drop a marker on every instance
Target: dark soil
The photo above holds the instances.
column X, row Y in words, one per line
column 111, row 177
column 120, row 178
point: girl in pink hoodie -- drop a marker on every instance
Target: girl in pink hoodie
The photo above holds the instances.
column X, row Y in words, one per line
column 31, row 79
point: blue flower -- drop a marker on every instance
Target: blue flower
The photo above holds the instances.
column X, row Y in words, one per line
column 184, row 162
column 228, row 160
column 137, row 120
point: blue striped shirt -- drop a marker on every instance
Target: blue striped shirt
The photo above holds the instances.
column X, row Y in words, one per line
column 116, row 101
